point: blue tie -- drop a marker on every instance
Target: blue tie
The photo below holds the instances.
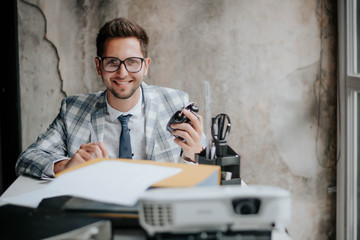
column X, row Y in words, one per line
column 125, row 144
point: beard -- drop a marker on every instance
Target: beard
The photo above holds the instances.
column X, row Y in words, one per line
column 124, row 95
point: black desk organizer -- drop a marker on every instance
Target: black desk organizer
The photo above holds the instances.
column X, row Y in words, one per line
column 227, row 159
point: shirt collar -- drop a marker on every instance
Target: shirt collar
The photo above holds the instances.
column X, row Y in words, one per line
column 135, row 111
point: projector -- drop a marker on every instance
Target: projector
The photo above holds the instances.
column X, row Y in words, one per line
column 229, row 208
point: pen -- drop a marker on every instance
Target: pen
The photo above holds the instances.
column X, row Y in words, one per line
column 93, row 134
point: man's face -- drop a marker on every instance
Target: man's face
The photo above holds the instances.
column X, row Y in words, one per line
column 122, row 84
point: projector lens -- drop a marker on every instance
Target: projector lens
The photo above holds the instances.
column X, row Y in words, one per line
column 246, row 206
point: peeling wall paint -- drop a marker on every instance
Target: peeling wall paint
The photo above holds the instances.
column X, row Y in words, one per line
column 271, row 65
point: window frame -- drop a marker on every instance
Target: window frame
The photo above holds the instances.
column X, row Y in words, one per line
column 348, row 95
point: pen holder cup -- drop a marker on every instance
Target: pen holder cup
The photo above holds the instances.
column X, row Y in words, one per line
column 229, row 163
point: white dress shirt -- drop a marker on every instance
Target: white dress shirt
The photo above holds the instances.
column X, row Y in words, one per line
column 136, row 125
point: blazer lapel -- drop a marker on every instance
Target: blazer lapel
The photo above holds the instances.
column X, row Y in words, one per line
column 98, row 117
column 151, row 114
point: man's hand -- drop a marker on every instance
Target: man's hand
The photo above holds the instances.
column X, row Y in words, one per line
column 191, row 133
column 85, row 153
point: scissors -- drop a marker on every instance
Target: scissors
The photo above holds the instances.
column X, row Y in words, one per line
column 218, row 132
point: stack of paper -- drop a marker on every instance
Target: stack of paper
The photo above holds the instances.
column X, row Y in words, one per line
column 117, row 181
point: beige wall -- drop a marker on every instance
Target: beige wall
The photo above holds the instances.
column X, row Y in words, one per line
column 271, row 65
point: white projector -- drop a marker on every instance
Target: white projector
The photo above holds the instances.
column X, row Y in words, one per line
column 211, row 209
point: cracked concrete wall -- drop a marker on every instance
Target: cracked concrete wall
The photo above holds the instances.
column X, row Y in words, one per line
column 271, row 65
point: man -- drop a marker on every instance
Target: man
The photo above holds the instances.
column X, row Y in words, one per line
column 122, row 63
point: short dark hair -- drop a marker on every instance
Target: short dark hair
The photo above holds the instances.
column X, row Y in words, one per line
column 121, row 27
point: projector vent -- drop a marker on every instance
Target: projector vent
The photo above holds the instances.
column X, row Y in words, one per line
column 158, row 215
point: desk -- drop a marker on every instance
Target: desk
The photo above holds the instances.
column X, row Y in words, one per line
column 21, row 185
column 25, row 184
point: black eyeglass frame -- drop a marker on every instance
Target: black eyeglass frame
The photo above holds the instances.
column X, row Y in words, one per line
column 101, row 59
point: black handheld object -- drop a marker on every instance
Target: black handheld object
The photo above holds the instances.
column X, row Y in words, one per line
column 179, row 117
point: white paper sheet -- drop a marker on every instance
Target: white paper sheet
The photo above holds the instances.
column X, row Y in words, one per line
column 107, row 181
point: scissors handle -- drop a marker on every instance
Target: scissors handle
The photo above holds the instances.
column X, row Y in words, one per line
column 221, row 126
column 218, row 124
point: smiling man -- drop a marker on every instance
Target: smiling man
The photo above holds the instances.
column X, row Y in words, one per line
column 127, row 120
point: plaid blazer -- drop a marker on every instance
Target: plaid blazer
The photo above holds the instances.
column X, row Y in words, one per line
column 70, row 128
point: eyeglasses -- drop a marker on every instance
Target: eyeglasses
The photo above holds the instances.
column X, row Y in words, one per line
column 112, row 64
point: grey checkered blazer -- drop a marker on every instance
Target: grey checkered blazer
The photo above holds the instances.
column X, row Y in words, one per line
column 70, row 129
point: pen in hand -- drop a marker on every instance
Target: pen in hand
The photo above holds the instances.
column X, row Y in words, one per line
column 104, row 151
column 93, row 134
